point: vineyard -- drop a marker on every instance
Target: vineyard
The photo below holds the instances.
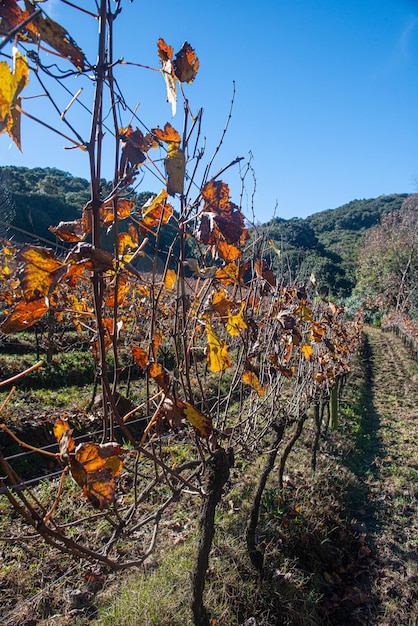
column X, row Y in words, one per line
column 203, row 398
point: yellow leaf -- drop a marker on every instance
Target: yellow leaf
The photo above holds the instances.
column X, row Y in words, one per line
column 307, row 350
column 170, row 279
column 251, row 378
column 217, row 352
column 12, row 81
column 198, row 420
column 236, row 322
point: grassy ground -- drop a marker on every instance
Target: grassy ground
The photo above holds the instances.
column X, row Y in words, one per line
column 340, row 545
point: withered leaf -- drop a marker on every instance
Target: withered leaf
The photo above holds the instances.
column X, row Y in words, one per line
column 165, row 52
column 101, row 260
column 168, row 135
column 141, row 356
column 73, row 231
column 175, row 167
column 251, row 378
column 202, row 423
column 94, row 456
column 58, row 38
column 40, row 271
column 186, row 64
column 134, row 146
column 154, row 212
column 24, row 315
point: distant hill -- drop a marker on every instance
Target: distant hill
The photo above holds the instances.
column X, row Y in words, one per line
column 324, row 244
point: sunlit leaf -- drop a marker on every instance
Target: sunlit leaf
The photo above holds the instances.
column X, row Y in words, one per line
column 60, row 427
column 169, row 135
column 123, row 287
column 155, row 211
column 128, row 241
column 141, row 356
column 24, row 315
column 251, row 378
column 318, row 332
column 170, row 279
column 202, row 423
column 40, row 271
column 100, row 489
column 217, row 352
column 307, row 350
column 228, row 274
column 94, row 456
column 236, row 322
column 124, row 208
column 12, row 82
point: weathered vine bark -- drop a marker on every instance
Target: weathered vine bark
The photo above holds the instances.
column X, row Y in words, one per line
column 318, row 414
column 218, row 474
column 257, row 557
column 288, row 449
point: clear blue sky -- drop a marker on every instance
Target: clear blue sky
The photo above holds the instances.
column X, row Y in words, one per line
column 326, row 94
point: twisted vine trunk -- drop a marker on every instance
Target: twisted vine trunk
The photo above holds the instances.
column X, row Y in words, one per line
column 218, row 474
column 256, row 557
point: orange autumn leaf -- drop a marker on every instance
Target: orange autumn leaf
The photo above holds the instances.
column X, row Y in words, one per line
column 141, row 356
column 217, row 352
column 202, row 423
column 124, row 208
column 236, row 322
column 221, row 304
column 186, row 64
column 287, row 371
column 24, row 315
column 228, row 274
column 168, row 135
column 123, row 287
column 94, row 456
column 156, row 211
column 251, row 378
column 216, row 197
column 228, row 252
column 170, row 279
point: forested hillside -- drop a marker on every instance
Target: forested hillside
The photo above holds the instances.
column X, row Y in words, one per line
column 324, row 244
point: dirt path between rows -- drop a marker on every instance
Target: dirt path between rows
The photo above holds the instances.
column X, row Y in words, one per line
column 387, row 466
